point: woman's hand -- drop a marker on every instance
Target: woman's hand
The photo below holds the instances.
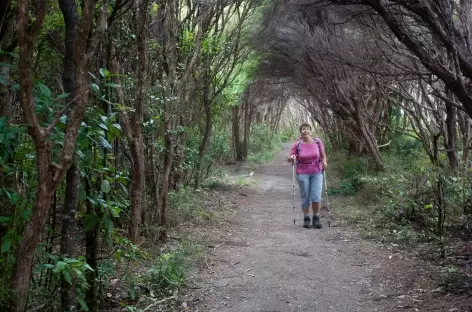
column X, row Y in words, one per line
column 291, row 158
column 324, row 163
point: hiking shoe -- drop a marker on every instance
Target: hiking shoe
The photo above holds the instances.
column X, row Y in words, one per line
column 306, row 222
column 316, row 222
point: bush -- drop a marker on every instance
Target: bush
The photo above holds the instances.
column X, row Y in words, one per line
column 186, row 205
column 263, row 143
column 171, row 270
column 351, row 178
column 412, row 199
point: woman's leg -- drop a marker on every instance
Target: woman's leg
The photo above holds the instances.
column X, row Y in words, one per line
column 316, row 187
column 304, row 185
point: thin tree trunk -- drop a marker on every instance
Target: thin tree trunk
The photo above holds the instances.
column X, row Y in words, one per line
column 137, row 185
column 137, row 146
column 205, row 139
column 68, row 226
column 6, row 209
column 247, row 129
column 451, row 136
column 236, row 134
column 464, row 123
column 31, row 236
column 92, row 237
column 164, row 193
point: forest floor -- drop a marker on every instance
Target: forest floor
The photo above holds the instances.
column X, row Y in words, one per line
column 259, row 261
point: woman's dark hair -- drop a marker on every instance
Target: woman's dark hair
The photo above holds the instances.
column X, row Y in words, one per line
column 304, row 125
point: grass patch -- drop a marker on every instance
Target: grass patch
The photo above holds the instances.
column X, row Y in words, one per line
column 170, row 272
column 186, row 205
column 172, row 268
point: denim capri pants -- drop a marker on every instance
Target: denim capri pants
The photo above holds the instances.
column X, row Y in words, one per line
column 311, row 186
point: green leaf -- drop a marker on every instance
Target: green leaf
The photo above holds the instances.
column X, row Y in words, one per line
column 83, row 305
column 77, row 272
column 60, row 266
column 105, row 187
column 73, row 261
column 4, row 219
column 44, row 90
column 109, row 225
column 82, row 194
column 91, row 200
column 123, row 187
column 112, row 85
column 62, row 96
column 104, row 72
column 115, row 211
column 43, row 266
column 90, row 222
column 103, row 126
column 67, row 276
column 95, row 88
column 6, row 245
column 104, row 143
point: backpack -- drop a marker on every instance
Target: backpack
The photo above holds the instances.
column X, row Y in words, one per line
column 316, row 140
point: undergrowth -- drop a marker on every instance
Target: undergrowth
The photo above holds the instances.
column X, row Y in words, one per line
column 410, row 203
column 167, row 274
column 264, row 143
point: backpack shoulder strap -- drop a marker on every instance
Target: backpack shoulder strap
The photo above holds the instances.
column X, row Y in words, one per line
column 298, row 146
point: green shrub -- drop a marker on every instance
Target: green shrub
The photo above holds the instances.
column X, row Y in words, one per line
column 351, row 178
column 263, row 143
column 186, row 205
column 172, row 268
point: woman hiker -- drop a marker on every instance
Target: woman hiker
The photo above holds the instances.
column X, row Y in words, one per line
column 310, row 157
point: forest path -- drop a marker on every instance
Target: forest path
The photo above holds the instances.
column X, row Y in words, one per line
column 263, row 263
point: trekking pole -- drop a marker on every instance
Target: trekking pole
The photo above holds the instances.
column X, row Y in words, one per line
column 293, row 190
column 326, row 196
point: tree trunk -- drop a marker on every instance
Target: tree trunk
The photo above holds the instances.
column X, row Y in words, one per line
column 7, row 181
column 178, row 172
column 451, row 136
column 205, row 139
column 464, row 124
column 137, row 184
column 364, row 134
column 137, row 146
column 238, row 148
column 247, row 128
column 32, row 233
column 68, row 291
column 164, row 193
column 5, row 95
column 49, row 174
column 92, row 237
column 68, row 226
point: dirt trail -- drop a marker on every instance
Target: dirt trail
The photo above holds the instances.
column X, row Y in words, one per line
column 264, row 263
